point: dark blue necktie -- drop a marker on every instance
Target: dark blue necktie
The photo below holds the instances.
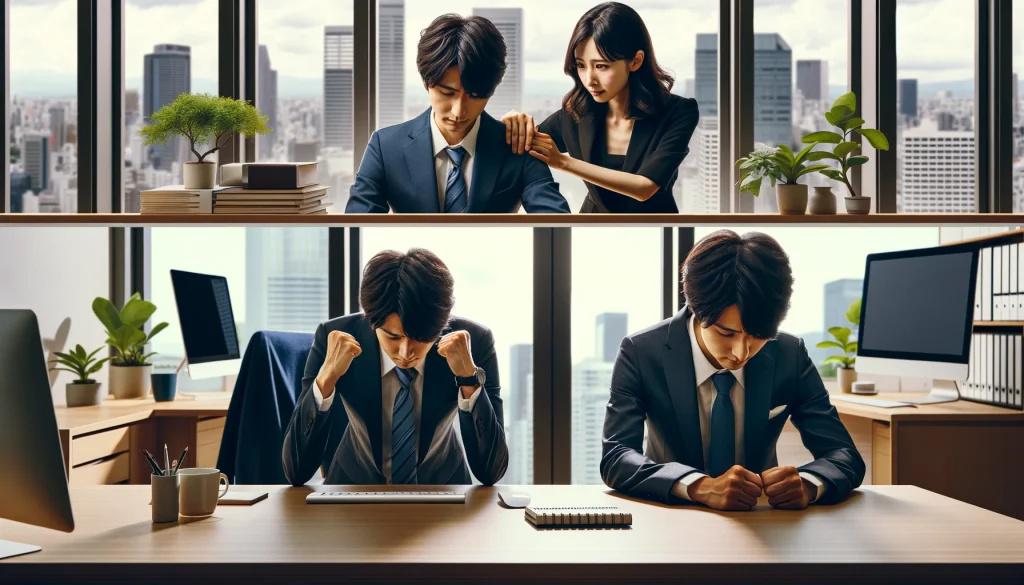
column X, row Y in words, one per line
column 722, row 452
column 403, row 431
column 455, row 188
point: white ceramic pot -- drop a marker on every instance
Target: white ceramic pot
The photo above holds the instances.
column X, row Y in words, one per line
column 858, row 205
column 792, row 199
column 200, row 175
column 847, row 376
column 77, row 394
column 822, row 201
column 130, row 381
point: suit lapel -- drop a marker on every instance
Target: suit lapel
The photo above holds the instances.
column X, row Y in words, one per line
column 643, row 130
column 439, row 393
column 488, row 159
column 682, row 387
column 362, row 385
column 419, row 157
column 759, row 376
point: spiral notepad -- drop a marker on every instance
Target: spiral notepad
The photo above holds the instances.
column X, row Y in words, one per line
column 569, row 516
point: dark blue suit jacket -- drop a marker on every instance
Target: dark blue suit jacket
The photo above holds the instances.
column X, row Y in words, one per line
column 397, row 172
column 653, row 380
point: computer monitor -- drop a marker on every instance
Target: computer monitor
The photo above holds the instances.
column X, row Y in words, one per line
column 916, row 316
column 207, row 324
column 33, row 482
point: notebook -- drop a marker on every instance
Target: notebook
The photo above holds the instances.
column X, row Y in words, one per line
column 569, row 516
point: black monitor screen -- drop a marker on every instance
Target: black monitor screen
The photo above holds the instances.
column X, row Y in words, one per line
column 919, row 304
column 207, row 321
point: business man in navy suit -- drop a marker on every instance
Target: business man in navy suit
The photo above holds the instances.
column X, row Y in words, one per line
column 716, row 384
column 453, row 157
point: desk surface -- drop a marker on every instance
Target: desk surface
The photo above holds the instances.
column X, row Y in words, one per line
column 112, row 413
column 881, row 530
column 959, row 411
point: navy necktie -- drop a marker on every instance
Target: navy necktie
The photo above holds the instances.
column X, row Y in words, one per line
column 403, row 431
column 722, row 452
column 455, row 188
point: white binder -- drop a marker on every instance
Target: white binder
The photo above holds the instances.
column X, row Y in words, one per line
column 1014, row 304
column 1020, row 283
column 986, row 284
column 997, row 283
column 1017, row 389
column 988, row 367
column 972, row 366
column 1006, row 282
column 1001, row 394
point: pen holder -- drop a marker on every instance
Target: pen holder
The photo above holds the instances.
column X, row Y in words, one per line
column 165, row 498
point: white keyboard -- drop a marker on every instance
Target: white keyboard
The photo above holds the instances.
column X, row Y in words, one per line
column 386, row 498
column 871, row 401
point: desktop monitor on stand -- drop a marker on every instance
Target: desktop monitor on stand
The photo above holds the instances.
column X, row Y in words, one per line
column 33, row 483
column 917, row 315
column 207, row 324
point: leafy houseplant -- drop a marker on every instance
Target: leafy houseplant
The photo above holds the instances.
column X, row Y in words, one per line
column 779, row 165
column 846, row 373
column 204, row 119
column 842, row 116
column 130, row 369
column 84, row 391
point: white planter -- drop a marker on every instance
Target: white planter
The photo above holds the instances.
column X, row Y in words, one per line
column 792, row 199
column 858, row 205
column 822, row 201
column 130, row 381
column 200, row 175
column 83, row 394
column 847, row 376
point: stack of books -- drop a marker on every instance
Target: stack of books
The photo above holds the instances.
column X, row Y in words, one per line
column 176, row 199
column 274, row 188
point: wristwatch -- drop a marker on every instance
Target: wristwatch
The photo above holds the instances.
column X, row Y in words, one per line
column 477, row 379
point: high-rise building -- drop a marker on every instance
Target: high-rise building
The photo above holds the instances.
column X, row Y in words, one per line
column 705, row 89
column 906, row 96
column 58, row 129
column 21, row 183
column 266, row 101
column 390, row 62
column 1016, row 105
column 285, row 279
column 36, row 157
column 131, row 107
column 339, row 56
column 707, row 165
column 303, row 151
column 591, row 384
column 509, row 94
column 812, row 79
column 519, row 415
column 167, row 73
column 611, row 328
column 937, row 170
column 838, row 296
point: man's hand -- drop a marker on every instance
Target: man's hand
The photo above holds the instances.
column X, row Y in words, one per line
column 342, row 348
column 455, row 348
column 786, row 489
column 736, row 489
column 519, row 129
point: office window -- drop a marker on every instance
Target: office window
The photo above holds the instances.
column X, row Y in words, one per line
column 537, row 34
column 170, row 48
column 799, row 70
column 493, row 272
column 305, row 85
column 935, row 100
column 43, row 153
column 1018, row 119
column 277, row 278
column 616, row 283
column 828, row 273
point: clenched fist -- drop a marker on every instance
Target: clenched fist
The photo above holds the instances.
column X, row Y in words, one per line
column 342, row 348
column 736, row 489
column 455, row 348
column 786, row 489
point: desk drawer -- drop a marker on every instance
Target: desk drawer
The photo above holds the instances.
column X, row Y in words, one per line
column 98, row 446
column 209, row 433
column 103, row 472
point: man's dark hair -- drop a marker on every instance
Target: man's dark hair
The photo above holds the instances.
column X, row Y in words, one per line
column 473, row 44
column 751, row 272
column 415, row 285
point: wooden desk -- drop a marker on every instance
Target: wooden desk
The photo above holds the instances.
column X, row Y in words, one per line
column 103, row 444
column 968, row 451
column 883, row 532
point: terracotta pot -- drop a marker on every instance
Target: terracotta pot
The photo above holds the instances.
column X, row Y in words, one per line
column 847, row 376
column 78, row 394
column 822, row 201
column 200, row 175
column 130, row 381
column 858, row 205
column 792, row 199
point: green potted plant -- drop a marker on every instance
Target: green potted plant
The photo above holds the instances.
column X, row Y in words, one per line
column 778, row 165
column 83, row 391
column 130, row 369
column 203, row 119
column 843, row 117
column 845, row 361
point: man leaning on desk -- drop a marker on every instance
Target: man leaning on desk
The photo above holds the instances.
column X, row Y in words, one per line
column 715, row 385
column 381, row 388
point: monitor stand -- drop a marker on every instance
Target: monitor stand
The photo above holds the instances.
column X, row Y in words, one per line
column 13, row 549
column 942, row 391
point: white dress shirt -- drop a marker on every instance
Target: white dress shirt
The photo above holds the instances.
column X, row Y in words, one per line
column 706, row 394
column 443, row 163
column 389, row 386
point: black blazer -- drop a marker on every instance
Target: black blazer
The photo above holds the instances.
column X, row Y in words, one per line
column 653, row 380
column 657, row 147
column 357, row 410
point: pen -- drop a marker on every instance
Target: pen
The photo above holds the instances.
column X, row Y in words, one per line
column 167, row 460
column 180, row 459
column 152, row 462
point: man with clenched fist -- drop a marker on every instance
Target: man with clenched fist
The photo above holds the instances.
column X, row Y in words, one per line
column 382, row 388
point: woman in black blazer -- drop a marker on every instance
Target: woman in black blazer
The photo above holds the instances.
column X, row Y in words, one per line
column 620, row 129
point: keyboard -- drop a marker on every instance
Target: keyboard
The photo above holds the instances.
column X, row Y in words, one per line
column 871, row 401
column 386, row 498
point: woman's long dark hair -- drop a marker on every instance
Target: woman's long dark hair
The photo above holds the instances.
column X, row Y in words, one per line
column 619, row 32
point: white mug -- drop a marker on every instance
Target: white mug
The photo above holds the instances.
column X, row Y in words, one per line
column 199, row 490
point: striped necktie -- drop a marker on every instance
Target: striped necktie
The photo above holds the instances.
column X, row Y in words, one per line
column 455, row 188
column 403, row 431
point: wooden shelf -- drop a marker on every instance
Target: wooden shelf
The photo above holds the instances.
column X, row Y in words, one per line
column 999, row 323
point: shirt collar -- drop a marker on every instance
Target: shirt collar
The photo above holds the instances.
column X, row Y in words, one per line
column 468, row 143
column 701, row 366
column 387, row 364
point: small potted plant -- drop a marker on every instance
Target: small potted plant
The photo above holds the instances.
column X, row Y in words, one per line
column 780, row 165
column 130, row 369
column 843, row 117
column 83, row 391
column 845, row 371
column 203, row 119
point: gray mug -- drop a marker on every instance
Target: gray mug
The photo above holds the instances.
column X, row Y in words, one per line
column 199, row 490
column 164, row 497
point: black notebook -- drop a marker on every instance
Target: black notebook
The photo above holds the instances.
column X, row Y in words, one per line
column 569, row 516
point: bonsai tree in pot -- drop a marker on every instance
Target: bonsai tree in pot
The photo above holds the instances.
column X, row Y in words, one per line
column 203, row 119
column 84, row 391
column 130, row 368
column 843, row 117
column 845, row 372
column 779, row 165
